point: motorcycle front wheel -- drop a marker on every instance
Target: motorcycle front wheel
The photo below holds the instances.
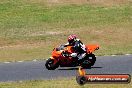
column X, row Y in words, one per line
column 50, row 64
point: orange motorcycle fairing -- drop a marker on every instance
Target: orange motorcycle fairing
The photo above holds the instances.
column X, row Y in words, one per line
column 56, row 55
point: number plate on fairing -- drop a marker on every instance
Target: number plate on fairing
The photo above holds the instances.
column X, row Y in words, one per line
column 90, row 58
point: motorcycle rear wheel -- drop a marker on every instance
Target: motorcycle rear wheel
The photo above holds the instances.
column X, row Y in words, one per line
column 93, row 60
column 89, row 61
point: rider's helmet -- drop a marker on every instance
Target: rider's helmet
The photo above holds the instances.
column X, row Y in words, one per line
column 72, row 39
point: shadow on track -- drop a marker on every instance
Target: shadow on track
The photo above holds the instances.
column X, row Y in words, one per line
column 96, row 67
column 76, row 68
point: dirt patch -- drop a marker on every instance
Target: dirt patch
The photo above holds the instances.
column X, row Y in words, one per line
column 54, row 33
column 96, row 2
column 41, row 33
column 109, row 2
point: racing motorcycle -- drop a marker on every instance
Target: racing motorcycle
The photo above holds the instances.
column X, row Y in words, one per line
column 61, row 57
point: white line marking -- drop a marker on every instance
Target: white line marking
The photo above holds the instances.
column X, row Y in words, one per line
column 106, row 55
column 7, row 62
column 20, row 61
column 34, row 60
column 113, row 55
column 127, row 54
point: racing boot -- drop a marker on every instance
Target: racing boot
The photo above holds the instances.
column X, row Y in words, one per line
column 80, row 57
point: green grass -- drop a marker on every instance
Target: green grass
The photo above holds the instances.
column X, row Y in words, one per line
column 19, row 20
column 31, row 30
column 61, row 83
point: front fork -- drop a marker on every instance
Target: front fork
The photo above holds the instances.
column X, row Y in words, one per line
column 55, row 60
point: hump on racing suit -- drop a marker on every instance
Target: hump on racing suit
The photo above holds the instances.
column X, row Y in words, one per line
column 79, row 47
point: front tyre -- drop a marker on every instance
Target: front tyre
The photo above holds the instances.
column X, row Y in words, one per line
column 50, row 64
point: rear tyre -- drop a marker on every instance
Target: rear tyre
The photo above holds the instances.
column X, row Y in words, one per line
column 89, row 61
column 92, row 59
column 50, row 64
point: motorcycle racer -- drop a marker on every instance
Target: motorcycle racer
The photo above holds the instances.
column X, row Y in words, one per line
column 79, row 47
column 72, row 54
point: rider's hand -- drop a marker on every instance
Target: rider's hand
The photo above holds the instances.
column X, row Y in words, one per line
column 74, row 55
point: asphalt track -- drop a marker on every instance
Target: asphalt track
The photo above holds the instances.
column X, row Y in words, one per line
column 35, row 70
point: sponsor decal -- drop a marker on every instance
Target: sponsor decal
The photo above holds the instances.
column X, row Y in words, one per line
column 83, row 78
